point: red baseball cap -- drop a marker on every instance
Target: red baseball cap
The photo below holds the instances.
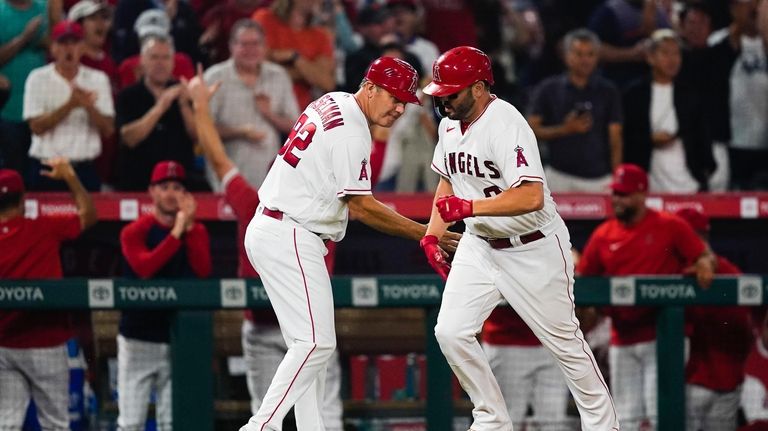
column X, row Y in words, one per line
column 697, row 219
column 168, row 170
column 10, row 182
column 629, row 178
column 67, row 29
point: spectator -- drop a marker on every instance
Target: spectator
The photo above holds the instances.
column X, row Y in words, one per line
column 754, row 394
column 705, row 70
column 408, row 22
column 167, row 243
column 745, row 50
column 526, row 372
column 154, row 120
column 305, row 50
column 22, row 49
column 96, row 19
column 218, row 22
column 579, row 114
column 254, row 105
column 263, row 343
column 33, row 351
column 639, row 241
column 153, row 23
column 374, row 23
column 69, row 108
column 720, row 340
column 665, row 129
column 623, row 27
column 183, row 22
column 440, row 15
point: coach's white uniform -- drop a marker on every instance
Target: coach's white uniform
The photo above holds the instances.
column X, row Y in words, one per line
column 535, row 274
column 324, row 159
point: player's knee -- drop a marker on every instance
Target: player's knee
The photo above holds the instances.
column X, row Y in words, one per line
column 447, row 335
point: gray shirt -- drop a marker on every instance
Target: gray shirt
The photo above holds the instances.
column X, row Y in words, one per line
column 234, row 106
column 584, row 155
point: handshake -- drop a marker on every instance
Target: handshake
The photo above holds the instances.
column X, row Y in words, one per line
column 451, row 209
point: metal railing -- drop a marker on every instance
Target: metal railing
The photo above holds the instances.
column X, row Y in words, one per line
column 192, row 333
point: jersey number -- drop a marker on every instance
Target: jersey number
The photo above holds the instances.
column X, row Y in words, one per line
column 492, row 191
column 300, row 138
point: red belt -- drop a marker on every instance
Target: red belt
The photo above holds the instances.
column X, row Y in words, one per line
column 498, row 243
column 275, row 214
column 278, row 215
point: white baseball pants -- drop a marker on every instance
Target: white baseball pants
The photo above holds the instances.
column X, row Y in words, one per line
column 528, row 375
column 537, row 280
column 290, row 261
column 41, row 374
column 633, row 383
column 143, row 366
column 710, row 410
column 263, row 349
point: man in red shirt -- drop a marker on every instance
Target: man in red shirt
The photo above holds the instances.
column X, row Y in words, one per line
column 639, row 241
column 33, row 353
column 720, row 340
column 166, row 243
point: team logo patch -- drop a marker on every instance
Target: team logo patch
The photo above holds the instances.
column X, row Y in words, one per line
column 363, row 170
column 436, row 72
column 520, row 157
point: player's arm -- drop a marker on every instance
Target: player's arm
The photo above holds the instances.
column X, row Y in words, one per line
column 437, row 226
column 705, row 267
column 143, row 261
column 523, row 199
column 198, row 250
column 375, row 214
column 61, row 169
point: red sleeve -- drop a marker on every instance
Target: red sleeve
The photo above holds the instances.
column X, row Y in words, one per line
column 62, row 227
column 687, row 243
column 143, row 261
column 198, row 250
column 242, row 197
column 589, row 262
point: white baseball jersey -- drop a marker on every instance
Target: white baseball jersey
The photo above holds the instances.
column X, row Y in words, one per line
column 495, row 152
column 324, row 159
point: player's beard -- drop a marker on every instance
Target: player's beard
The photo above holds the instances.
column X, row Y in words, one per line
column 460, row 111
column 625, row 214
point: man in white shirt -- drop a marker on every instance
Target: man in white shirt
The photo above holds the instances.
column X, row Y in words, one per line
column 69, row 108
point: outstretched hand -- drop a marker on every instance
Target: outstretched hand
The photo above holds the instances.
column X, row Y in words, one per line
column 60, row 169
column 198, row 90
column 436, row 256
column 453, row 208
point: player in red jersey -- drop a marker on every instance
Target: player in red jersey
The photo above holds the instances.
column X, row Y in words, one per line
column 639, row 241
column 33, row 352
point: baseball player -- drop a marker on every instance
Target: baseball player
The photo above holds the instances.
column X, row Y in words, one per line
column 639, row 241
column 517, row 247
column 262, row 341
column 320, row 176
column 33, row 351
column 167, row 243
column 526, row 372
column 720, row 339
column 754, row 394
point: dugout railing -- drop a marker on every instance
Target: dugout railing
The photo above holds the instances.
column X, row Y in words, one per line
column 192, row 333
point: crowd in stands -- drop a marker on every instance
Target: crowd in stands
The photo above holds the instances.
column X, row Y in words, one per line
column 660, row 83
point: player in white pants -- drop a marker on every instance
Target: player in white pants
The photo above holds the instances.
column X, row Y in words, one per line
column 517, row 247
column 319, row 176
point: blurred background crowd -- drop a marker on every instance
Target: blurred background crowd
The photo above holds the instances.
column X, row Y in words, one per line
column 677, row 87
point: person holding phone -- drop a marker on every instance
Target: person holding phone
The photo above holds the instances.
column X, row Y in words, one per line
column 579, row 115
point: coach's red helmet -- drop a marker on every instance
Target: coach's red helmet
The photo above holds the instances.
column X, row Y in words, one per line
column 459, row 68
column 396, row 76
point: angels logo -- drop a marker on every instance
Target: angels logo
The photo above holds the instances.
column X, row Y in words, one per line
column 412, row 88
column 172, row 169
column 436, row 72
column 520, row 157
column 363, row 170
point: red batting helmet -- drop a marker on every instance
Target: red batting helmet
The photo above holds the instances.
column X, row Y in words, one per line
column 458, row 68
column 396, row 76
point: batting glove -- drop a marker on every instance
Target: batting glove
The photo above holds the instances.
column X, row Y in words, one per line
column 435, row 255
column 453, row 208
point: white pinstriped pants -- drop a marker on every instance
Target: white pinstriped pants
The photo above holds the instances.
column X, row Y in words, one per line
column 536, row 279
column 290, row 261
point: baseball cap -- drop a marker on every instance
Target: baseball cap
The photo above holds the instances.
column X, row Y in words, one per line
column 67, row 29
column 629, row 178
column 696, row 218
column 152, row 22
column 168, row 170
column 85, row 8
column 10, row 182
